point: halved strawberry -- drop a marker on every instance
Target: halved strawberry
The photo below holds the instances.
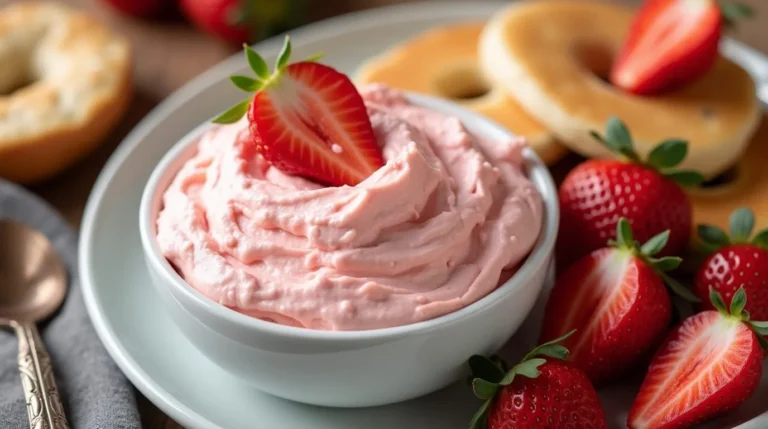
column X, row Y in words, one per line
column 616, row 301
column 671, row 43
column 707, row 366
column 307, row 119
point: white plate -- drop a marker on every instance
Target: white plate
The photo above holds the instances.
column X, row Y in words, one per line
column 141, row 338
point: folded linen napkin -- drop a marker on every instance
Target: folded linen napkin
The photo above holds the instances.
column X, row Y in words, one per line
column 94, row 392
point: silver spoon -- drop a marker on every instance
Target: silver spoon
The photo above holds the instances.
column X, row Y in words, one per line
column 33, row 284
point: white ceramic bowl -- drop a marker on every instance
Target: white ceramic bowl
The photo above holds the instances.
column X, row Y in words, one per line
column 350, row 369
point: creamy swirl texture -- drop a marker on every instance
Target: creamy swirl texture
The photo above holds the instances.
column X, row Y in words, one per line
column 427, row 234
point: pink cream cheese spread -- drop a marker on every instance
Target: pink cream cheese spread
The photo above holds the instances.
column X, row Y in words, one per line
column 432, row 231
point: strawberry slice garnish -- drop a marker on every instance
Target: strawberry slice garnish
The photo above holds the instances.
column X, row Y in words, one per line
column 307, row 119
column 707, row 366
column 616, row 301
column 672, row 43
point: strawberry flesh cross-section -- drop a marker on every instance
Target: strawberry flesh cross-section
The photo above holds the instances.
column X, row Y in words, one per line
column 308, row 120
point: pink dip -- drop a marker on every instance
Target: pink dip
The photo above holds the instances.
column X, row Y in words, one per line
column 427, row 234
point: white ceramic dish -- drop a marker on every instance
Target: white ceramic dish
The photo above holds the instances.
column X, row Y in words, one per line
column 351, row 369
column 155, row 355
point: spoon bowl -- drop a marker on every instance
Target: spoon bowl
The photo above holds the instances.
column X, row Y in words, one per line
column 33, row 282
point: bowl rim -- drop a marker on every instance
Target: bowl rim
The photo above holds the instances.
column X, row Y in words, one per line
column 537, row 172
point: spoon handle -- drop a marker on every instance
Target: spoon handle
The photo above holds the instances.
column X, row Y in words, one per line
column 43, row 404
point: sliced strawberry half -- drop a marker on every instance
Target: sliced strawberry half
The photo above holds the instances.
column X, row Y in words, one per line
column 707, row 366
column 672, row 43
column 307, row 119
column 616, row 301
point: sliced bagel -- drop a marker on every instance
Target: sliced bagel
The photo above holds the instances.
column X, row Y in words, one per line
column 443, row 62
column 550, row 56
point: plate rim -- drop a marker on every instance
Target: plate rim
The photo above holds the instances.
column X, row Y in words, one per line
column 397, row 13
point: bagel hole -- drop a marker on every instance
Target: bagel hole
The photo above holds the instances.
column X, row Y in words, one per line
column 13, row 79
column 462, row 84
column 597, row 59
column 11, row 88
column 725, row 178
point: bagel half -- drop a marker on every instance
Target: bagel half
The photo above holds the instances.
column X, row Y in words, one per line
column 549, row 55
column 79, row 85
column 442, row 62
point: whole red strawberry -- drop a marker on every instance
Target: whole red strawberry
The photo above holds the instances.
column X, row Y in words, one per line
column 307, row 120
column 736, row 262
column 541, row 392
column 597, row 192
column 672, row 43
column 242, row 21
column 615, row 300
column 707, row 366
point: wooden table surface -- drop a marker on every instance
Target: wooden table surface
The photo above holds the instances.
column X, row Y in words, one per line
column 168, row 53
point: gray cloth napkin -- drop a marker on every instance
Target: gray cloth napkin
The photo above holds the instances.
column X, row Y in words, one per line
column 94, row 392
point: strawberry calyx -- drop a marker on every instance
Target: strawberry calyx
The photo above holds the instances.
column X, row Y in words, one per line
column 262, row 79
column 667, row 155
column 647, row 253
column 741, row 224
column 489, row 375
column 737, row 313
column 733, row 12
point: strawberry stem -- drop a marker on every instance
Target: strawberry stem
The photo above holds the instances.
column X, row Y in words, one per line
column 647, row 251
column 736, row 311
column 263, row 79
column 663, row 158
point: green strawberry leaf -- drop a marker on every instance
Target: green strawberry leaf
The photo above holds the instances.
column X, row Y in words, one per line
column 734, row 12
column 678, row 288
column 760, row 328
column 484, row 389
column 655, row 244
column 529, row 368
column 763, row 342
column 617, row 132
column 314, row 57
column 761, row 239
column 713, row 236
column 499, row 362
column 740, row 224
column 485, row 369
column 668, row 154
column 246, row 83
column 554, row 351
column 537, row 351
column 738, row 302
column 257, row 63
column 234, row 113
column 478, row 420
column 717, row 301
column 285, row 54
column 595, row 135
column 666, row 264
column 624, row 234
column 686, row 179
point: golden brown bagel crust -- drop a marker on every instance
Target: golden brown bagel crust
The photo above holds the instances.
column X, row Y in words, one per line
column 538, row 52
column 81, row 75
column 747, row 187
column 447, row 56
